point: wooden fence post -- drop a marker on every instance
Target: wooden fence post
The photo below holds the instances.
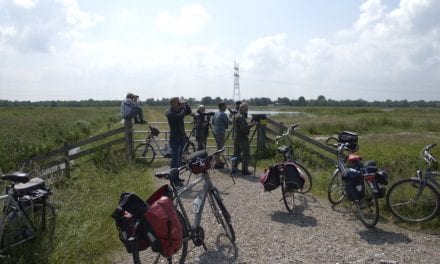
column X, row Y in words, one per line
column 129, row 137
column 66, row 159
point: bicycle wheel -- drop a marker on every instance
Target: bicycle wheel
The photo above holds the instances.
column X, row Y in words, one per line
column 148, row 256
column 144, row 153
column 189, row 149
column 307, row 177
column 222, row 215
column 368, row 208
column 288, row 195
column 336, row 188
column 413, row 200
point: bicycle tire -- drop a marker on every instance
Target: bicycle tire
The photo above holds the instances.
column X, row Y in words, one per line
column 190, row 148
column 288, row 195
column 368, row 208
column 149, row 256
column 336, row 188
column 307, row 177
column 144, row 153
column 408, row 202
column 221, row 214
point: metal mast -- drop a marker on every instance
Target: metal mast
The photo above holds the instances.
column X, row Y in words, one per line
column 236, row 92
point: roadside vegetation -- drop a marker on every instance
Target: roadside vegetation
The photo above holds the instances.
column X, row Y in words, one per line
column 85, row 232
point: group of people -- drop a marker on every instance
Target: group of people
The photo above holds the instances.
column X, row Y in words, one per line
column 220, row 123
column 176, row 114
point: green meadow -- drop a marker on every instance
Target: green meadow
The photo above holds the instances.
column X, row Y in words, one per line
column 85, row 232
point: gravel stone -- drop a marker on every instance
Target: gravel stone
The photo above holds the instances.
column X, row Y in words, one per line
column 314, row 233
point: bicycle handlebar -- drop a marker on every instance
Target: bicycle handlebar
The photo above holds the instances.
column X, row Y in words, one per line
column 167, row 174
column 426, row 153
column 289, row 130
column 340, row 146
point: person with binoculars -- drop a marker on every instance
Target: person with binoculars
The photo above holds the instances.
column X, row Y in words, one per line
column 175, row 116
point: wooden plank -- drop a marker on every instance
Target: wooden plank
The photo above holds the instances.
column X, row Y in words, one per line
column 98, row 137
column 94, row 149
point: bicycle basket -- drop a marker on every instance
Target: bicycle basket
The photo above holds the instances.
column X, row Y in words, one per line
column 154, row 131
column 349, row 137
column 199, row 162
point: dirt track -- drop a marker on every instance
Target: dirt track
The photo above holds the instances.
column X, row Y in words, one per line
column 314, row 233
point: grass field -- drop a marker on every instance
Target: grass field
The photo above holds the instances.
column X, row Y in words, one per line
column 86, row 233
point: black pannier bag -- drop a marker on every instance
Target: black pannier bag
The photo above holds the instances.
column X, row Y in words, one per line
column 294, row 180
column 270, row 179
column 354, row 184
column 130, row 208
column 349, row 137
column 381, row 180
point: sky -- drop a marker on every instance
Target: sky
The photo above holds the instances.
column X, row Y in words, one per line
column 100, row 49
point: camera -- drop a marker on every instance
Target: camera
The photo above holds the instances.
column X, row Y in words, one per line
column 204, row 116
column 258, row 117
column 232, row 112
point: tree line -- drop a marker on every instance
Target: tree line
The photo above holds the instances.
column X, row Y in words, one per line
column 207, row 100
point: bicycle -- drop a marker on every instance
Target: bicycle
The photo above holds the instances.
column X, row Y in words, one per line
column 288, row 156
column 417, row 199
column 147, row 151
column 368, row 205
column 26, row 213
column 199, row 162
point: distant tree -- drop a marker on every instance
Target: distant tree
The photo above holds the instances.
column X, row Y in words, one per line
column 207, row 100
column 302, row 101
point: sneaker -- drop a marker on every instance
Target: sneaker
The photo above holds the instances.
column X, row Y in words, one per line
column 247, row 172
column 142, row 122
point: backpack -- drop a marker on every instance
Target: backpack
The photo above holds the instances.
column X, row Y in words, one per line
column 127, row 109
column 160, row 225
column 294, row 180
column 270, row 179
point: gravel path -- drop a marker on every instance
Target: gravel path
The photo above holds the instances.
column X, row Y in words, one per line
column 314, row 233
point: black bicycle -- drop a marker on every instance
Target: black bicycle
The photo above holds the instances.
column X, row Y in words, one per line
column 417, row 199
column 367, row 205
column 27, row 213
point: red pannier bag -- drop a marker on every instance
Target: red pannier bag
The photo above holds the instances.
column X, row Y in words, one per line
column 162, row 218
column 270, row 179
column 161, row 228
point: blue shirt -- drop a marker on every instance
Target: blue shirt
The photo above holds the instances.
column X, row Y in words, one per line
column 220, row 122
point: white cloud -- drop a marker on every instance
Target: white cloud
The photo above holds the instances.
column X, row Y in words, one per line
column 191, row 20
column 25, row 3
column 386, row 54
column 42, row 26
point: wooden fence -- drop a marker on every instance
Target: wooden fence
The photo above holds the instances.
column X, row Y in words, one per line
column 129, row 137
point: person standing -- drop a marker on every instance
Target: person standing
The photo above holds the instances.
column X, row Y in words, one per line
column 241, row 140
column 175, row 116
column 201, row 127
column 220, row 123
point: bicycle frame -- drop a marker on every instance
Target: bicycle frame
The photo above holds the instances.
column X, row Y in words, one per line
column 207, row 187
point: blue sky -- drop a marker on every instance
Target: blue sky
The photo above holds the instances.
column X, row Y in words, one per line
column 73, row 50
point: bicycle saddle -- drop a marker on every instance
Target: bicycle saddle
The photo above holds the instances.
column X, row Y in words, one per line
column 21, row 177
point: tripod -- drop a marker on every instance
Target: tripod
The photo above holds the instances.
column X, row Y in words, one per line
column 260, row 131
column 208, row 128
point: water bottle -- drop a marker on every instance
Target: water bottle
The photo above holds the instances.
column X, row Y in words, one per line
column 196, row 204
